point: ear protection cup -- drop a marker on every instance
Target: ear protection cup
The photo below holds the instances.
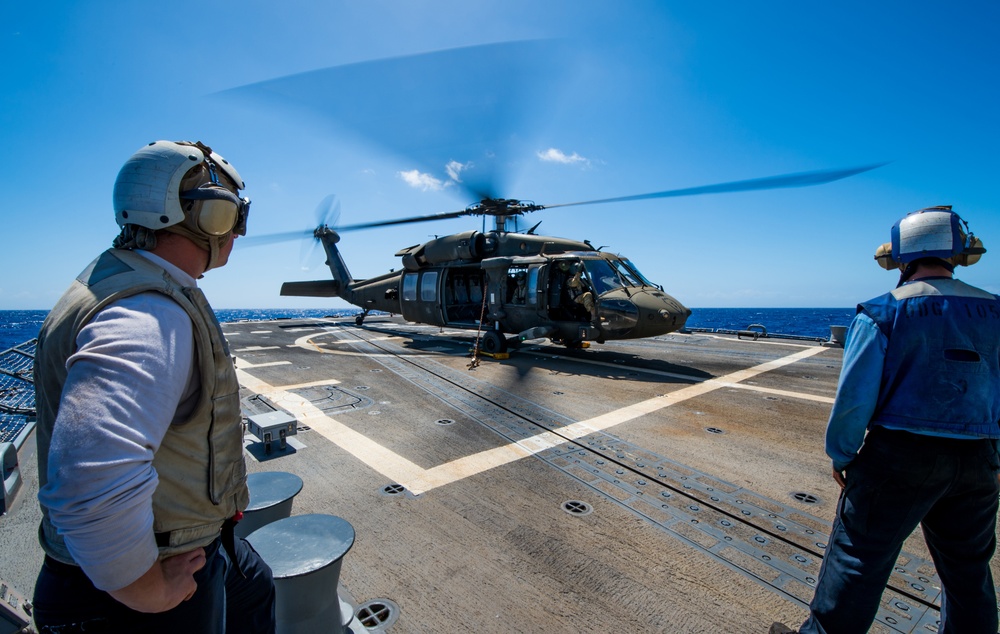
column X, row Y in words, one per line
column 216, row 217
column 972, row 253
column 214, row 210
column 883, row 255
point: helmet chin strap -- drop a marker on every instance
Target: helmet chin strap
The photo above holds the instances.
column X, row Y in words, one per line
column 910, row 269
column 210, row 244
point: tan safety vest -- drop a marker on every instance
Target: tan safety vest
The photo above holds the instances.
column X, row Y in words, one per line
column 202, row 475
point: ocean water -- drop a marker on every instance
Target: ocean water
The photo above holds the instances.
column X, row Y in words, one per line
column 18, row 326
column 801, row 322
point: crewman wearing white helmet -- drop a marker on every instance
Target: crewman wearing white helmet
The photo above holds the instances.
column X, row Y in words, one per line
column 140, row 441
column 913, row 434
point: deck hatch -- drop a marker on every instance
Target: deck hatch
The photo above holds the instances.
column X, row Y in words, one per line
column 377, row 614
column 576, row 507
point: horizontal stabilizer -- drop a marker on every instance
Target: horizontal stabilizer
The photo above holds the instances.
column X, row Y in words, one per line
column 316, row 288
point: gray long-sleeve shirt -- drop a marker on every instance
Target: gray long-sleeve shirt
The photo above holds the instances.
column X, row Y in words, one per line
column 133, row 374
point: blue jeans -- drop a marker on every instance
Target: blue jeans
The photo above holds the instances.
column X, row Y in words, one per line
column 897, row 481
column 66, row 602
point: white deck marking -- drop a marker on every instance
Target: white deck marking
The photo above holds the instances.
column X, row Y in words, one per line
column 257, row 348
column 299, row 386
column 243, row 363
column 696, row 379
column 799, row 395
column 390, row 464
column 419, row 480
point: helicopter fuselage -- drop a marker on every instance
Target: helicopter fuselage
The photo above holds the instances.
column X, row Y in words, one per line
column 505, row 283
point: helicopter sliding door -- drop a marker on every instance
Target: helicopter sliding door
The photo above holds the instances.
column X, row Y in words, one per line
column 421, row 300
column 463, row 295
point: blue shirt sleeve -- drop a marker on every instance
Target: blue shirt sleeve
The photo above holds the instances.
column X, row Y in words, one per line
column 857, row 391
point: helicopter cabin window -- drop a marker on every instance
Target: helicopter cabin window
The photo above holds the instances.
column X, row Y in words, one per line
column 410, row 287
column 517, row 285
column 533, row 285
column 428, row 286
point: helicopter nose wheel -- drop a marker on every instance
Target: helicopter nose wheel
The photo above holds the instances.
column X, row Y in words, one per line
column 494, row 342
column 360, row 319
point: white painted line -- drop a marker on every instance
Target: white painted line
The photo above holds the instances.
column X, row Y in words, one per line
column 307, row 343
column 390, row 464
column 419, row 480
column 648, row 406
column 299, row 386
column 806, row 352
column 257, row 348
column 799, row 395
column 246, row 364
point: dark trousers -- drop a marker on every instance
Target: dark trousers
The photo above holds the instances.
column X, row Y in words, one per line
column 897, row 481
column 226, row 602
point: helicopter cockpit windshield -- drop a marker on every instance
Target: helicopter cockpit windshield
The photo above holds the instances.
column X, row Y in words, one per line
column 632, row 273
column 608, row 275
column 604, row 276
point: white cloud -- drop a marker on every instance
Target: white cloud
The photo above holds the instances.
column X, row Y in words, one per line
column 553, row 155
column 419, row 180
column 455, row 169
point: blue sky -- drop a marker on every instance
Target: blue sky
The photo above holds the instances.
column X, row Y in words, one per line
column 603, row 99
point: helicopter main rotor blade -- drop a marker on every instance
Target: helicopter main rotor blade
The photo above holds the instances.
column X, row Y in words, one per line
column 403, row 221
column 432, row 109
column 327, row 213
column 274, row 238
column 801, row 179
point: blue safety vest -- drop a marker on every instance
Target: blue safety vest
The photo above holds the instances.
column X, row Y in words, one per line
column 942, row 364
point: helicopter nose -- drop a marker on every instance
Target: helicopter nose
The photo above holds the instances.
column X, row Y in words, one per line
column 662, row 312
column 675, row 316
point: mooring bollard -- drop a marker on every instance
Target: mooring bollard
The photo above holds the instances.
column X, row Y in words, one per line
column 838, row 335
column 271, row 495
column 305, row 553
column 11, row 475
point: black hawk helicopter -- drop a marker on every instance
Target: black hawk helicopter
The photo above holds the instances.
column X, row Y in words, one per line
column 521, row 284
column 512, row 286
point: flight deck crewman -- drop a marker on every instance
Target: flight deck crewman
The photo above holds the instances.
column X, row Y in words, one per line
column 921, row 375
column 576, row 287
column 140, row 442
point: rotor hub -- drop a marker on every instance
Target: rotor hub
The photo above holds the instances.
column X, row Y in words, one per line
column 502, row 207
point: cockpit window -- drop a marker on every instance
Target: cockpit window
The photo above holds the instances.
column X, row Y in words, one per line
column 627, row 274
column 634, row 271
column 603, row 275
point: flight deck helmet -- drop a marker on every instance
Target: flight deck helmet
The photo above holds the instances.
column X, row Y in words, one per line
column 181, row 187
column 934, row 232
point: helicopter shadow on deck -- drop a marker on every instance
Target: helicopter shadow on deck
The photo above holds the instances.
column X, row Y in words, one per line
column 592, row 362
column 614, row 366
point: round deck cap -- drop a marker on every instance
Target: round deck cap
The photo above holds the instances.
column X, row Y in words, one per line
column 297, row 545
column 271, row 488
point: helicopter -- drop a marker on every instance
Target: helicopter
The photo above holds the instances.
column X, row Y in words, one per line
column 511, row 286
column 515, row 287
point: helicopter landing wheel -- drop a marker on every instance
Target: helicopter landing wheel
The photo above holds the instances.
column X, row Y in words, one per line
column 494, row 342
